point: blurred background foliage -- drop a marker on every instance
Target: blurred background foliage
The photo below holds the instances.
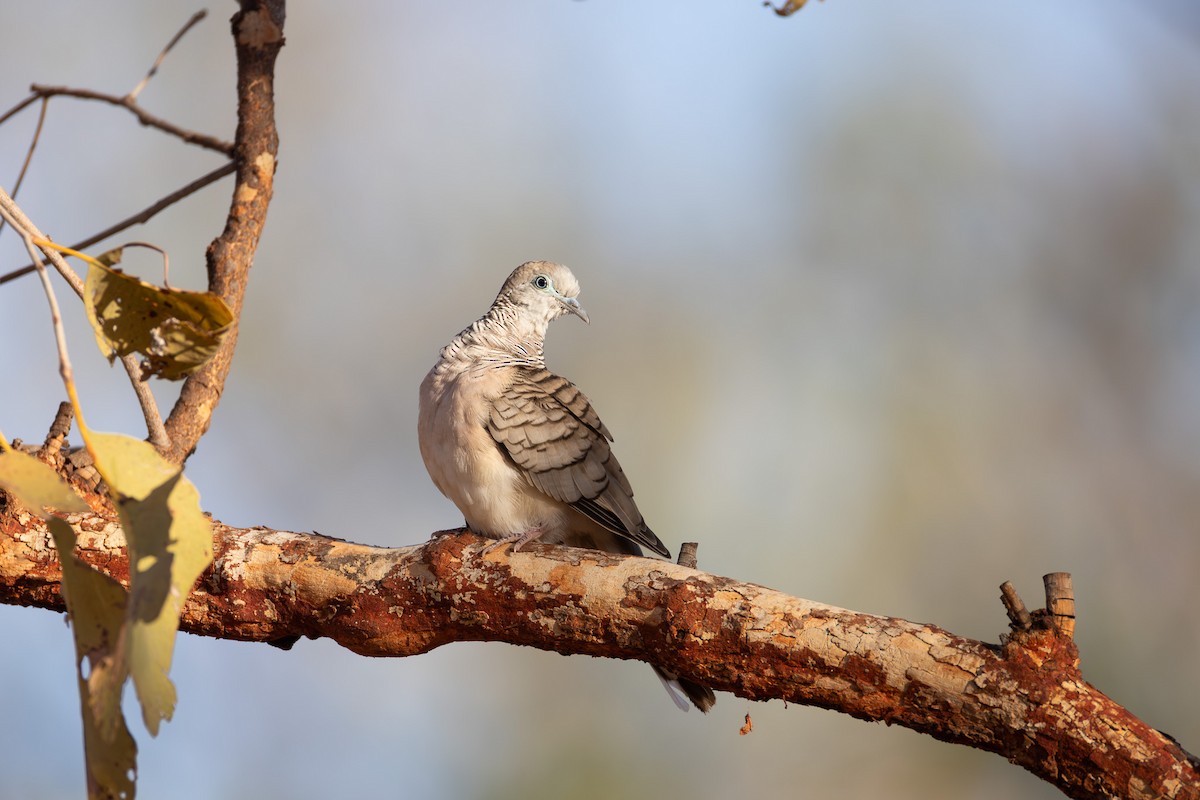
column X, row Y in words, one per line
column 891, row 302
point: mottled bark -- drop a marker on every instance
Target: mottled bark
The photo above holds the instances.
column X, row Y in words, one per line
column 1024, row 699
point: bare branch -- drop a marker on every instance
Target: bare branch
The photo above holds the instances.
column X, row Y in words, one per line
column 143, row 116
column 1060, row 602
column 1024, row 699
column 142, row 216
column 187, row 26
column 258, row 38
column 1018, row 614
column 16, row 217
column 19, row 107
column 37, row 134
column 129, row 101
column 13, row 216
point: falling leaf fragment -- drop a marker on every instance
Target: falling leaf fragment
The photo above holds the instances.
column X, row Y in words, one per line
column 176, row 331
column 788, row 8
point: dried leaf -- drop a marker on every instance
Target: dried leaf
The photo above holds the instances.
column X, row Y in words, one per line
column 177, row 331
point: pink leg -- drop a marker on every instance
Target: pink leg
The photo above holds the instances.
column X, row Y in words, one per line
column 518, row 540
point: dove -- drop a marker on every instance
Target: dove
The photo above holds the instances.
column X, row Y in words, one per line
column 520, row 450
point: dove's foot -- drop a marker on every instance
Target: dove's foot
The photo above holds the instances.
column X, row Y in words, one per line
column 518, row 540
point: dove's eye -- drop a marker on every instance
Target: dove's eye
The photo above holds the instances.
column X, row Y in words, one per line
column 541, row 282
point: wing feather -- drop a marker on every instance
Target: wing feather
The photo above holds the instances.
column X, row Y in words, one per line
column 551, row 432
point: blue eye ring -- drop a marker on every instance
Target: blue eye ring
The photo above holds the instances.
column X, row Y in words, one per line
column 541, row 282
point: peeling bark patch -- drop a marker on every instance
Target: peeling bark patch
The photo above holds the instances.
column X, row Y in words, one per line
column 245, row 194
column 256, row 29
column 265, row 165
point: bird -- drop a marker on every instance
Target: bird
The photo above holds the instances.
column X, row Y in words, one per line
column 520, row 450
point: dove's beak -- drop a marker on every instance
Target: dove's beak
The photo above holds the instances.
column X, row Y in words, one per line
column 573, row 306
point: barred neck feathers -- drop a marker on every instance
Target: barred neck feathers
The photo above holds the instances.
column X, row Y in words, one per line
column 503, row 337
column 513, row 331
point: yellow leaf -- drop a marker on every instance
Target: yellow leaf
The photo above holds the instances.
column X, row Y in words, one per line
column 111, row 766
column 176, row 331
column 96, row 605
column 170, row 544
column 36, row 485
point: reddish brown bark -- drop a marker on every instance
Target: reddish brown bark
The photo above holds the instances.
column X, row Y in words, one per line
column 1025, row 699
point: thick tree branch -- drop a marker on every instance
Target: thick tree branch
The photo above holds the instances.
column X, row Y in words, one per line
column 258, row 38
column 1025, row 699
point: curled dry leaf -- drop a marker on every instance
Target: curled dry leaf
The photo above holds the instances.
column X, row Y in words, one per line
column 174, row 330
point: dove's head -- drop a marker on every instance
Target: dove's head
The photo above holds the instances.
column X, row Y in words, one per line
column 543, row 290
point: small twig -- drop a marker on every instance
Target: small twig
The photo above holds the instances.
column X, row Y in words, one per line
column 687, row 555
column 160, row 251
column 13, row 212
column 144, row 117
column 1060, row 602
column 19, row 107
column 60, row 336
column 156, row 431
column 37, row 134
column 1018, row 614
column 199, row 15
column 142, row 216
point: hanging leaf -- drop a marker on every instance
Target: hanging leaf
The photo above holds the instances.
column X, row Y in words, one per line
column 96, row 605
column 170, row 544
column 176, row 331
